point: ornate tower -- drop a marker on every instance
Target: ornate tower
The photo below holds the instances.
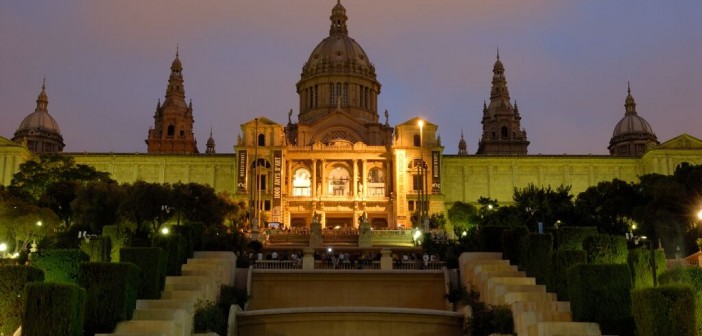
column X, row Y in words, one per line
column 502, row 132
column 173, row 121
column 633, row 134
column 462, row 146
column 39, row 130
column 210, row 144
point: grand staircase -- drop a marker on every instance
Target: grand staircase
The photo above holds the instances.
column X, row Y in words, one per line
column 535, row 311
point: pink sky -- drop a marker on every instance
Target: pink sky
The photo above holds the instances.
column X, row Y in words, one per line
column 567, row 63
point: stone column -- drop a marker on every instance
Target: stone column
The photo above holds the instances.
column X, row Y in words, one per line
column 308, row 258
column 314, row 181
column 385, row 259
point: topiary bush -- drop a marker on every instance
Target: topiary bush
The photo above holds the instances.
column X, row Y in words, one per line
column 209, row 318
column 174, row 245
column 602, row 293
column 53, row 309
column 536, row 256
column 13, row 279
column 664, row 310
column 639, row 261
column 605, row 249
column 98, row 249
column 691, row 276
column 570, row 238
column 561, row 261
column 187, row 232
column 61, row 265
column 118, row 239
column 512, row 242
column 152, row 261
column 111, row 294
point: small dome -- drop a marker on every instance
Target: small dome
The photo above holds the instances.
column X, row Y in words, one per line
column 210, row 141
column 40, row 120
column 632, row 123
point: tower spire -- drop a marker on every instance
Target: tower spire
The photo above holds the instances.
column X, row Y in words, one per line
column 629, row 103
column 338, row 20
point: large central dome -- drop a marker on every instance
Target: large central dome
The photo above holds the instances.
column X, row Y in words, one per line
column 338, row 76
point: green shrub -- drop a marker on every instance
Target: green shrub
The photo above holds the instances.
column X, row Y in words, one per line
column 53, row 309
column 639, row 261
column 536, row 256
column 605, row 249
column 118, row 238
column 570, row 238
column 602, row 293
column 98, row 249
column 489, row 319
column 512, row 242
column 152, row 262
column 209, row 318
column 231, row 295
column 13, row 278
column 61, row 265
column 691, row 276
column 174, row 245
column 664, row 310
column 491, row 237
column 111, row 294
column 561, row 261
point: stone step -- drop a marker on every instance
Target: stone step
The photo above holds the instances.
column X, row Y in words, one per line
column 496, row 295
column 186, row 305
column 185, row 287
column 565, row 329
column 467, row 257
column 481, row 282
column 183, row 320
column 529, row 297
column 500, row 280
column 165, row 328
column 211, row 288
column 225, row 271
column 192, row 296
column 468, row 268
column 522, row 321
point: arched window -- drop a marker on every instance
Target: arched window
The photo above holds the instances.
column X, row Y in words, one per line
column 171, row 130
column 301, row 182
column 338, row 179
column 376, row 182
column 417, row 140
column 261, row 140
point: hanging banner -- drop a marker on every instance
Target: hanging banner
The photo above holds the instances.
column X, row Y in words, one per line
column 276, row 210
column 241, row 176
column 435, row 172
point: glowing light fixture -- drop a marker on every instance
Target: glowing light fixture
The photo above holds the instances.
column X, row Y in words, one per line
column 165, row 231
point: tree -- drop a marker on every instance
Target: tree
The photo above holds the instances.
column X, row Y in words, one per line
column 609, row 206
column 143, row 205
column 545, row 205
column 463, row 217
column 96, row 205
column 23, row 223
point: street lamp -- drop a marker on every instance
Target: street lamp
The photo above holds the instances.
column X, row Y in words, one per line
column 3, row 250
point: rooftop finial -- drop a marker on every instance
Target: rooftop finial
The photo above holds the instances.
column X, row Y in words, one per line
column 177, row 49
column 43, row 84
column 498, row 52
column 628, row 87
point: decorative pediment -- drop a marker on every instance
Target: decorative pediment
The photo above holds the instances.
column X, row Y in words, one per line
column 338, row 128
column 683, row 141
column 262, row 121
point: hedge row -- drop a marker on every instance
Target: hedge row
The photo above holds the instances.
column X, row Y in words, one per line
column 174, row 245
column 12, row 281
column 111, row 294
column 602, row 293
column 536, row 255
column 639, row 261
column 570, row 238
column 665, row 310
column 152, row 261
column 557, row 277
column 512, row 241
column 98, row 249
column 53, row 309
column 61, row 265
column 605, row 249
column 118, row 238
column 691, row 276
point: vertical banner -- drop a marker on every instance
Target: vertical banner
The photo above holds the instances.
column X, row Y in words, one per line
column 276, row 209
column 241, row 175
column 435, row 172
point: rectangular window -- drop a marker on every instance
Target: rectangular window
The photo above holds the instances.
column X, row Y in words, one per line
column 262, row 183
column 417, row 182
column 331, row 94
column 267, row 205
column 410, row 205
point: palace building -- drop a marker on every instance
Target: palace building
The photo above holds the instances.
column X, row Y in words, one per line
column 338, row 158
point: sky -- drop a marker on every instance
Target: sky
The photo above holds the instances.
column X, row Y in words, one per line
column 567, row 62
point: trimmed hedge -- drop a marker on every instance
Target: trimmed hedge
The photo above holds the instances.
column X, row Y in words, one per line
column 561, row 261
column 152, row 262
column 174, row 245
column 512, row 242
column 691, row 276
column 602, row 293
column 61, row 265
column 111, row 294
column 605, row 249
column 118, row 238
column 53, row 309
column 570, row 238
column 98, row 249
column 13, row 278
column 536, row 256
column 639, row 261
column 187, row 232
column 490, row 237
column 665, row 310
